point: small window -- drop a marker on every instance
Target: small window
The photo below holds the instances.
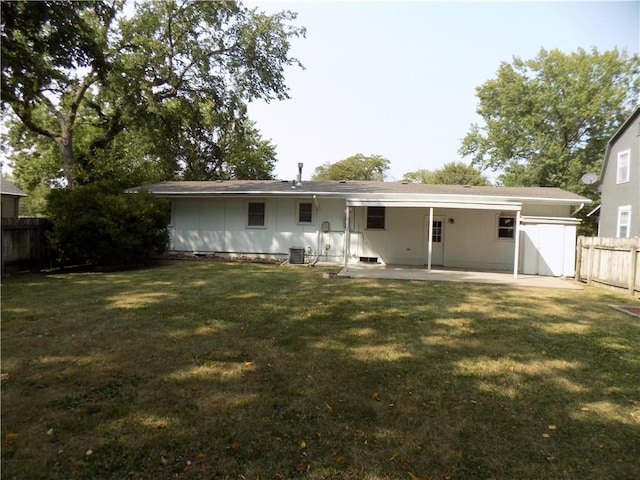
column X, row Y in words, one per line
column 437, row 231
column 375, row 218
column 624, row 220
column 623, row 167
column 506, row 227
column 255, row 214
column 305, row 212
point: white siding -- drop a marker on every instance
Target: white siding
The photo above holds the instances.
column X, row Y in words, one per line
column 470, row 237
column 548, row 250
column 219, row 225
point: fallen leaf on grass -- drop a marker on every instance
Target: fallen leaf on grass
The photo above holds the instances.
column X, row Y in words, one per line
column 50, row 432
column 303, row 444
column 375, row 396
column 235, row 445
column 303, row 467
column 552, row 427
column 328, row 408
column 415, row 477
column 584, row 409
column 88, row 452
column 11, row 436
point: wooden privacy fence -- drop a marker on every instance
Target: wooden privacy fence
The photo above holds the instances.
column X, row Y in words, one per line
column 614, row 262
column 24, row 244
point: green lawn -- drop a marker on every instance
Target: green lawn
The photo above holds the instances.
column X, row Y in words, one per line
column 211, row 370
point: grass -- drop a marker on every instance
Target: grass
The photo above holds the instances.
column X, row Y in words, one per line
column 205, row 370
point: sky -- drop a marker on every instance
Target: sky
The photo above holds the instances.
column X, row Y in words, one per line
column 399, row 78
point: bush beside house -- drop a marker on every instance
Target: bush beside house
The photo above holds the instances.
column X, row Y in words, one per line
column 98, row 224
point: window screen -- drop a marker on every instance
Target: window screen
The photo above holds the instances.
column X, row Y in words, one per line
column 255, row 216
column 506, row 227
column 375, row 218
column 305, row 212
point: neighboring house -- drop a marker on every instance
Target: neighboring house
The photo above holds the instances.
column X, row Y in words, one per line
column 526, row 230
column 620, row 182
column 9, row 198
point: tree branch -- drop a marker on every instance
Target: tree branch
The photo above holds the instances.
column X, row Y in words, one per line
column 77, row 99
column 52, row 108
column 25, row 117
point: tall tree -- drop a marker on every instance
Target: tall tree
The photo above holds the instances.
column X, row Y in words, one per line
column 52, row 53
column 173, row 79
column 451, row 173
column 355, row 167
column 547, row 120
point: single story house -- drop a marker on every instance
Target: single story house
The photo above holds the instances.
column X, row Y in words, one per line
column 619, row 183
column 10, row 196
column 521, row 229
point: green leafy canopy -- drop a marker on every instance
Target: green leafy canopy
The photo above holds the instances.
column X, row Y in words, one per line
column 356, row 167
column 547, row 120
column 156, row 94
column 451, row 173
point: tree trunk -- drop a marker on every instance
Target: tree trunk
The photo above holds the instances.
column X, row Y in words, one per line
column 65, row 143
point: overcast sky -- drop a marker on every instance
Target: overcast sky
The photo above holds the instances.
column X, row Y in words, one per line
column 398, row 79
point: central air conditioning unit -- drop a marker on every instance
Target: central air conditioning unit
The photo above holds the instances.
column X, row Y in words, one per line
column 296, row 255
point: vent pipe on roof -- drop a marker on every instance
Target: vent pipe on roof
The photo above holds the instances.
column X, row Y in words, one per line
column 299, row 180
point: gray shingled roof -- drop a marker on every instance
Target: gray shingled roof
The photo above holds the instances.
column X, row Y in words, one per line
column 8, row 188
column 278, row 187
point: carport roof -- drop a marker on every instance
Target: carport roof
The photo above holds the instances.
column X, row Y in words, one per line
column 364, row 190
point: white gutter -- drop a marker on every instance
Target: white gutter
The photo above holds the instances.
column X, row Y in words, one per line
column 550, row 220
column 469, row 204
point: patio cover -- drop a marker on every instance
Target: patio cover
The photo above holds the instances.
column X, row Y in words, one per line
column 430, row 203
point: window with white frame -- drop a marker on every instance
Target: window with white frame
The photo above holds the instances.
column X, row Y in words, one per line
column 305, row 212
column 623, row 167
column 624, row 221
column 375, row 218
column 256, row 214
column 506, row 226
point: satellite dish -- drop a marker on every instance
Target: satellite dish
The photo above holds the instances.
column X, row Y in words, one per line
column 589, row 178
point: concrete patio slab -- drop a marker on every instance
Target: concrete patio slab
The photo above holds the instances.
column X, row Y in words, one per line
column 455, row 275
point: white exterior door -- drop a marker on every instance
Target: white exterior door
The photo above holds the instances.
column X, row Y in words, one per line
column 437, row 240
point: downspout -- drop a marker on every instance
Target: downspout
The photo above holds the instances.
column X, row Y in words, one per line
column 579, row 208
column 430, row 242
column 315, row 201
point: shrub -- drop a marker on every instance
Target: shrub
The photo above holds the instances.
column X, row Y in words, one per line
column 99, row 224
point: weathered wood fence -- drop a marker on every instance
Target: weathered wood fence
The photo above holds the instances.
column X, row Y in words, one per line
column 24, row 244
column 614, row 262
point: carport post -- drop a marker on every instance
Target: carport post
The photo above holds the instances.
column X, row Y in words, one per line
column 347, row 238
column 516, row 253
column 430, row 242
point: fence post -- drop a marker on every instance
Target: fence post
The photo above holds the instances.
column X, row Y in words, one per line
column 578, row 258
